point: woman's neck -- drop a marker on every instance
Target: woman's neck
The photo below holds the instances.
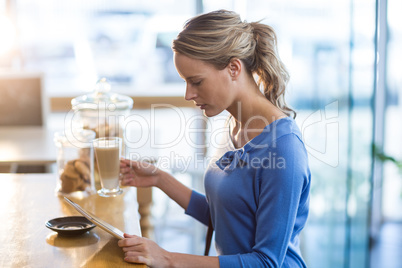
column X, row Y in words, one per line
column 251, row 114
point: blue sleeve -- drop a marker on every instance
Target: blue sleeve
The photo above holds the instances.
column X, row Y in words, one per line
column 280, row 195
column 198, row 208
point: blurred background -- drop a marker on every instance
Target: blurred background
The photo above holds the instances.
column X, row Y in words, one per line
column 346, row 80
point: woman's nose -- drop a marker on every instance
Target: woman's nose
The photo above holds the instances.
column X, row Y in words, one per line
column 190, row 93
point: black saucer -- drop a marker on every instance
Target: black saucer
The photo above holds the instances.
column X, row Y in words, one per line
column 70, row 226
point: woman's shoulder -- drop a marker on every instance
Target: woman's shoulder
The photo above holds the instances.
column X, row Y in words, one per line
column 282, row 129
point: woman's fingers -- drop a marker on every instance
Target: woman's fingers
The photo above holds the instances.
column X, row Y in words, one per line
column 142, row 250
column 124, row 161
column 124, row 169
column 127, row 166
column 127, row 181
column 127, row 175
column 136, row 248
column 143, row 167
column 137, row 259
column 129, row 235
column 133, row 254
column 129, row 163
column 130, row 240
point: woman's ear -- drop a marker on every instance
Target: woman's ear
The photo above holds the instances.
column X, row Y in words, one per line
column 234, row 67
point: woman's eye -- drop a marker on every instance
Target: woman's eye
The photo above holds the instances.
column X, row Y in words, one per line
column 197, row 83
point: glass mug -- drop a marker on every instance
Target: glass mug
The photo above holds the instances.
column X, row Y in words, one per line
column 107, row 158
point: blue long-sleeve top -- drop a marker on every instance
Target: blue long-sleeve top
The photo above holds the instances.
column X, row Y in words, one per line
column 257, row 198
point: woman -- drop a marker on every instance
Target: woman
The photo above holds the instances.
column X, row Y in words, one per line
column 257, row 192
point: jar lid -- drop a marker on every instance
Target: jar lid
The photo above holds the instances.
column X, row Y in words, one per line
column 103, row 98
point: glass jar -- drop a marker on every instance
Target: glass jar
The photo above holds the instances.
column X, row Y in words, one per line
column 75, row 162
column 103, row 112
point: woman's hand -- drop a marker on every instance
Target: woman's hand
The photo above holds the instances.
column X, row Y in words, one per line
column 142, row 250
column 138, row 174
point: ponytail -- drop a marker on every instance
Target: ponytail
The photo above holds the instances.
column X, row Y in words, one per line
column 266, row 64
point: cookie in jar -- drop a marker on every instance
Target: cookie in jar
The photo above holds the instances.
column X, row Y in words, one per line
column 75, row 163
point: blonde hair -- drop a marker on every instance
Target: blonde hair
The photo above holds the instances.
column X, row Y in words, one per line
column 219, row 36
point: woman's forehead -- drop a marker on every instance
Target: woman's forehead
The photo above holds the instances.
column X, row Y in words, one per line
column 191, row 68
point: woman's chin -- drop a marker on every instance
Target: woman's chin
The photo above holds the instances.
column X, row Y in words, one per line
column 211, row 113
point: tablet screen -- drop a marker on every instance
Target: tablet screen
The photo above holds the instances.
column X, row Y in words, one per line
column 98, row 222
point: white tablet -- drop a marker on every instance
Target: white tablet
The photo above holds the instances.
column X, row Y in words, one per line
column 98, row 222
